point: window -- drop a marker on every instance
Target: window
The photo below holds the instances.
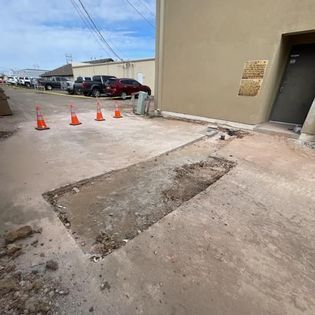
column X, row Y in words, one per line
column 110, row 81
column 135, row 83
column 126, row 82
column 97, row 78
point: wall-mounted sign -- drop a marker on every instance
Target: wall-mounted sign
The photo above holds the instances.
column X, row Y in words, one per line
column 252, row 77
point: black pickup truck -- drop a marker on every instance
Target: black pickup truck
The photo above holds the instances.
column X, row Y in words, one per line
column 94, row 87
column 51, row 83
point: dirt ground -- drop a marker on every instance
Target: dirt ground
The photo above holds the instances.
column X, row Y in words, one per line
column 236, row 238
column 105, row 212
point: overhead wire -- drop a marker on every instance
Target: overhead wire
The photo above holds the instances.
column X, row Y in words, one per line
column 147, row 6
column 139, row 12
column 98, row 31
column 88, row 26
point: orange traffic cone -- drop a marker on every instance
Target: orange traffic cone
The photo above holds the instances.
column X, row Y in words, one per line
column 41, row 125
column 117, row 113
column 99, row 115
column 74, row 118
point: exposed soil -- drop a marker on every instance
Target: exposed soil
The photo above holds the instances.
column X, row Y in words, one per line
column 105, row 212
column 31, row 291
column 191, row 179
column 238, row 133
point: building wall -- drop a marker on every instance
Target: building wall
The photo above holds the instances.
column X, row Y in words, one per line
column 202, row 48
column 31, row 73
column 129, row 69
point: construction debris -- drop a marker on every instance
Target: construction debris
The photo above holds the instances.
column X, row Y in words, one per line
column 19, row 233
column 105, row 285
column 105, row 244
column 13, row 250
column 4, row 105
column 52, row 265
column 76, row 189
column 26, row 292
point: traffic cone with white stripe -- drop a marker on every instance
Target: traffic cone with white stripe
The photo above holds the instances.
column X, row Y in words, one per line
column 99, row 115
column 74, row 119
column 117, row 113
column 41, row 125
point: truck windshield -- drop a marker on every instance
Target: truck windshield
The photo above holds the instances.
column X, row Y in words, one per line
column 97, row 78
column 110, row 81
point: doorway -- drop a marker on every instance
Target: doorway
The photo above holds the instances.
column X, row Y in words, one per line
column 297, row 88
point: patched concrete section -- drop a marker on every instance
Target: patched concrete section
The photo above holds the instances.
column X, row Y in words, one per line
column 105, row 212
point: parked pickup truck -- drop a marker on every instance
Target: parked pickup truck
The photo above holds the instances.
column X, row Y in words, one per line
column 26, row 81
column 77, row 85
column 94, row 87
column 68, row 86
column 51, row 83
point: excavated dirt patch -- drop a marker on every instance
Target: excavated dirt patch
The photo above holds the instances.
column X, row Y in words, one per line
column 104, row 212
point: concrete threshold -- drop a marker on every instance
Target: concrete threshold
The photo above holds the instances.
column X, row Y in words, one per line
column 277, row 129
column 271, row 128
column 214, row 123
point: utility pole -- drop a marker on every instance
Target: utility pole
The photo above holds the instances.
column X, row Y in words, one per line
column 68, row 58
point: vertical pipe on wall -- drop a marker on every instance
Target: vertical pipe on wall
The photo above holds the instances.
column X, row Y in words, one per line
column 160, row 5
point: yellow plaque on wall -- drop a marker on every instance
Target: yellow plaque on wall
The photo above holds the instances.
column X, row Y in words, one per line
column 252, row 77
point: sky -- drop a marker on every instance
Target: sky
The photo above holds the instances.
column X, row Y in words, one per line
column 39, row 33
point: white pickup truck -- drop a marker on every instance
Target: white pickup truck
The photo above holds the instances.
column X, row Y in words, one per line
column 68, row 86
column 26, row 81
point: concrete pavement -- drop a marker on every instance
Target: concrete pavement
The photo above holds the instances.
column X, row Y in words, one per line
column 245, row 245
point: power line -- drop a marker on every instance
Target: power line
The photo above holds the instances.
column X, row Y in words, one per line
column 88, row 25
column 98, row 31
column 147, row 6
column 139, row 13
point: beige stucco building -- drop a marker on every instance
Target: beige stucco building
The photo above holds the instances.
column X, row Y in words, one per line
column 230, row 59
column 142, row 70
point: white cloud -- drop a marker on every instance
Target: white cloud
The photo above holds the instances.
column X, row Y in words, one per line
column 41, row 32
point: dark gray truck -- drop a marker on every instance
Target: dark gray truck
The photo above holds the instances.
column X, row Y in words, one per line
column 51, row 83
column 95, row 87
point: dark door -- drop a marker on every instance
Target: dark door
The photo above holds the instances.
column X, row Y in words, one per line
column 297, row 89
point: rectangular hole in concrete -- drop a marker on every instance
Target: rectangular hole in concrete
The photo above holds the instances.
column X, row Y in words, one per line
column 106, row 211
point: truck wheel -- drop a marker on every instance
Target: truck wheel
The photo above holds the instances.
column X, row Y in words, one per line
column 96, row 92
column 27, row 84
column 123, row 95
column 48, row 87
